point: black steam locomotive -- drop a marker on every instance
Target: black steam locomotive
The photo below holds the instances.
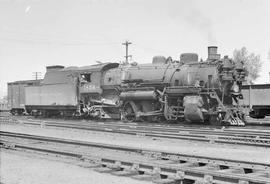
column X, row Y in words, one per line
column 185, row 90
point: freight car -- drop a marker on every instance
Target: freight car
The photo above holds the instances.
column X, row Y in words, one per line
column 16, row 95
column 256, row 101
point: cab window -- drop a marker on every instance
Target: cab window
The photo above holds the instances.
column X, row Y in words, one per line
column 86, row 77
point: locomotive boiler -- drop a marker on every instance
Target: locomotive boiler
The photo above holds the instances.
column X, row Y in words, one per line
column 205, row 91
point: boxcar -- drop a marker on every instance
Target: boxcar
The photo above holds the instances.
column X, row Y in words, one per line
column 16, row 95
column 3, row 106
column 256, row 100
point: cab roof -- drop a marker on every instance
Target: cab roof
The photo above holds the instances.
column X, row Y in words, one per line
column 92, row 68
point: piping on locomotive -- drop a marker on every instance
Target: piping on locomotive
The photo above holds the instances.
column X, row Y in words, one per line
column 163, row 90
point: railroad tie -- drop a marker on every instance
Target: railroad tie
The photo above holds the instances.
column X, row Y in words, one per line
column 209, row 166
column 208, row 179
column 233, row 169
column 145, row 177
column 165, row 181
column 259, row 173
column 126, row 173
column 88, row 165
column 104, row 170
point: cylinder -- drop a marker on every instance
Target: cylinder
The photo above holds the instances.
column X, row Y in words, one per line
column 138, row 95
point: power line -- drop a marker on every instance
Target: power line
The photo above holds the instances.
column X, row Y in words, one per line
column 53, row 42
column 37, row 38
column 126, row 43
column 144, row 48
column 37, row 75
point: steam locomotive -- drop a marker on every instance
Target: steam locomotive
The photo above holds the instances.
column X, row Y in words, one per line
column 186, row 90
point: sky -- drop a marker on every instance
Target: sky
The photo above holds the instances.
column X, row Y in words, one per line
column 38, row 33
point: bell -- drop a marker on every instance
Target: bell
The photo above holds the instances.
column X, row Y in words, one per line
column 239, row 66
column 227, row 64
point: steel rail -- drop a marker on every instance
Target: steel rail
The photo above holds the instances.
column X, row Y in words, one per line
column 194, row 135
column 167, row 127
column 116, row 147
column 177, row 128
column 176, row 170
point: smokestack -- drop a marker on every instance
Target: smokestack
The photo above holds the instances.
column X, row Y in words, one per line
column 212, row 53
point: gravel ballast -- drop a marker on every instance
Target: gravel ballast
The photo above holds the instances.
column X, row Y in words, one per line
column 225, row 151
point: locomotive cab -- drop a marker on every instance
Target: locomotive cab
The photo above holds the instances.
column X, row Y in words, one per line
column 92, row 95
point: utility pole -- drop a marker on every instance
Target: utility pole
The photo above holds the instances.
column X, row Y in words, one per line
column 36, row 75
column 126, row 44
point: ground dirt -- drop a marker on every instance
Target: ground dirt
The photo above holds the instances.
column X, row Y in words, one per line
column 26, row 168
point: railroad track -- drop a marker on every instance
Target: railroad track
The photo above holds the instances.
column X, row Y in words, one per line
column 161, row 167
column 253, row 121
column 225, row 136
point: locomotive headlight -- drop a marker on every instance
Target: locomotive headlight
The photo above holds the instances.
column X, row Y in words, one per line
column 235, row 88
